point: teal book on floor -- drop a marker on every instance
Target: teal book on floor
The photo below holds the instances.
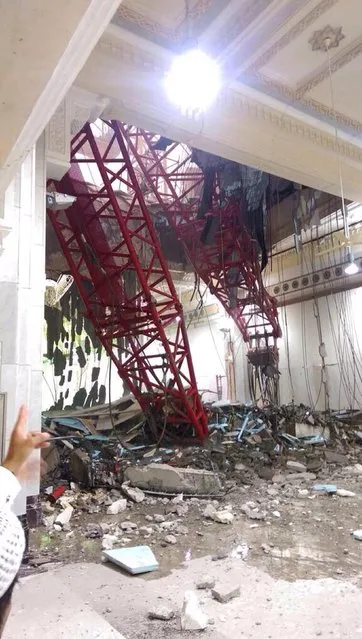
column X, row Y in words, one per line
column 135, row 560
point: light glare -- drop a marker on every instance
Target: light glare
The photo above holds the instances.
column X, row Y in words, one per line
column 351, row 269
column 193, row 81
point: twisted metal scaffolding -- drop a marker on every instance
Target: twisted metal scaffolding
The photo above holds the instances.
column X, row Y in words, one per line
column 109, row 240
column 208, row 220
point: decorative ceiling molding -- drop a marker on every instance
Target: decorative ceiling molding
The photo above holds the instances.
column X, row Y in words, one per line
column 319, row 108
column 293, row 33
column 235, row 101
column 153, row 28
column 156, row 29
column 292, row 126
column 136, row 56
column 338, row 62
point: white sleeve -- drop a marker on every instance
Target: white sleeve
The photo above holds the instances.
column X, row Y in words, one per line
column 9, row 487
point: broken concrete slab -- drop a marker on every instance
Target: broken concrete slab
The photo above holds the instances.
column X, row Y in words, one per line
column 223, row 593
column 164, row 478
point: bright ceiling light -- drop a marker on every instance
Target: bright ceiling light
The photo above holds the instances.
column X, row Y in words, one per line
column 351, row 269
column 193, row 81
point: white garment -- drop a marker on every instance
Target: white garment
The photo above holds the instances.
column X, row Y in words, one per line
column 12, row 539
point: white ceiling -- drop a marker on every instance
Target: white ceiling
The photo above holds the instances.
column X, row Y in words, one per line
column 276, row 111
column 43, row 45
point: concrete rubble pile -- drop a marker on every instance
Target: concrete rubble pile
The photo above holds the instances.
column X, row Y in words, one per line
column 117, row 493
column 107, row 446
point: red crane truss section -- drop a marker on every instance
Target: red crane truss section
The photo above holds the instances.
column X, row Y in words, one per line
column 110, row 243
column 229, row 263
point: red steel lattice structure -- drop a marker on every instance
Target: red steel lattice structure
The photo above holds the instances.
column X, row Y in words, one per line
column 228, row 264
column 110, row 243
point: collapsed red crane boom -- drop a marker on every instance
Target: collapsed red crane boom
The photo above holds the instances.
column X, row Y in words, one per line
column 228, row 263
column 110, row 243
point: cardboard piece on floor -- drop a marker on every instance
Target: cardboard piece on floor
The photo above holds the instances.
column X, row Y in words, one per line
column 135, row 560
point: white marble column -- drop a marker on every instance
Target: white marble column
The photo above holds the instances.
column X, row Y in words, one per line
column 22, row 279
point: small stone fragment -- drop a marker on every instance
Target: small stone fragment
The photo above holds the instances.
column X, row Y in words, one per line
column 224, row 593
column 171, row 539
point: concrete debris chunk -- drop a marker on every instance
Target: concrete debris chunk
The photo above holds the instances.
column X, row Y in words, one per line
column 182, row 530
column 223, row 517
column 117, row 507
column 209, row 511
column 357, row 534
column 135, row 494
column 251, row 510
column 296, row 467
column 206, row 583
column 240, row 468
column 64, row 517
column 353, row 470
column 220, row 516
column 170, row 479
column 192, row 617
column 109, row 541
column 335, row 458
column 301, row 477
column 128, row 526
column 223, row 593
column 159, row 519
column 341, row 492
column 171, row 539
column 162, row 614
column 94, row 531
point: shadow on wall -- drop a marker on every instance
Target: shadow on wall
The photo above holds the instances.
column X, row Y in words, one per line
column 75, row 366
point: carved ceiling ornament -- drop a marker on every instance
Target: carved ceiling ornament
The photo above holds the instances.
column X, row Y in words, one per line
column 327, row 38
column 127, row 14
column 311, row 17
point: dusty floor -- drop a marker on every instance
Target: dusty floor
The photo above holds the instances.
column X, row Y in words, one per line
column 301, row 577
